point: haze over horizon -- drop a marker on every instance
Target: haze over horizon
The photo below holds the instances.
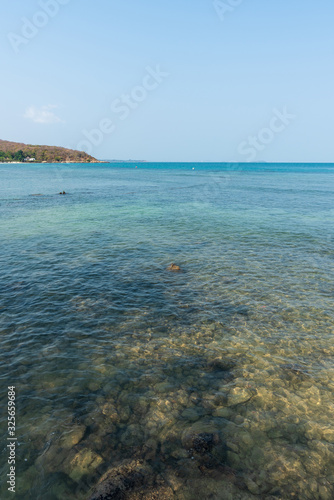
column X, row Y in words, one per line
column 207, row 81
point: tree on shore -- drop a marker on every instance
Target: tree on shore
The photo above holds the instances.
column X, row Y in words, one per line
column 19, row 156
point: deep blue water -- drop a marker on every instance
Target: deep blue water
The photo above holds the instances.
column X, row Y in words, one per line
column 116, row 358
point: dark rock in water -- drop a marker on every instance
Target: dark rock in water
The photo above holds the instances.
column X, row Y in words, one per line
column 130, row 479
column 201, row 443
column 174, row 267
column 222, row 364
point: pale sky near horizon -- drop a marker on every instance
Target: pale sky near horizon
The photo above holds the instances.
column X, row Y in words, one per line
column 230, row 80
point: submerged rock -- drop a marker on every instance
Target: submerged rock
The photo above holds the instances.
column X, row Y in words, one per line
column 174, row 267
column 109, row 410
column 84, row 462
column 119, row 482
column 239, row 395
column 191, row 414
column 200, row 438
column 222, row 364
column 222, row 412
column 72, row 437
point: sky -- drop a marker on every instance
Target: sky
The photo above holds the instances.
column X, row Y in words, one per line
column 183, row 80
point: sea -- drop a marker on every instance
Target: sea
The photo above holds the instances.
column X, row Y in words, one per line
column 122, row 377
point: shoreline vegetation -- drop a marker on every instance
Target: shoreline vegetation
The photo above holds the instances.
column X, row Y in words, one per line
column 16, row 152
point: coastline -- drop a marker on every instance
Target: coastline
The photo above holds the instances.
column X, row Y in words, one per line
column 49, row 162
column 17, row 152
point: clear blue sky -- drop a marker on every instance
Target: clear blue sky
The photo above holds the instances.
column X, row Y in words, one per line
column 228, row 69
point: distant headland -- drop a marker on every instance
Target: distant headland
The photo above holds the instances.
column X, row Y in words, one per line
column 16, row 152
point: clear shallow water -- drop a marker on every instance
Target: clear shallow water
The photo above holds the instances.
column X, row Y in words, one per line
column 215, row 382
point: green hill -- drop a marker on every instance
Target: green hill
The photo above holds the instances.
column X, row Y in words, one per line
column 18, row 152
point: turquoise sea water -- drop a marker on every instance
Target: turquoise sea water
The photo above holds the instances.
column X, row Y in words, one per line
column 215, row 382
